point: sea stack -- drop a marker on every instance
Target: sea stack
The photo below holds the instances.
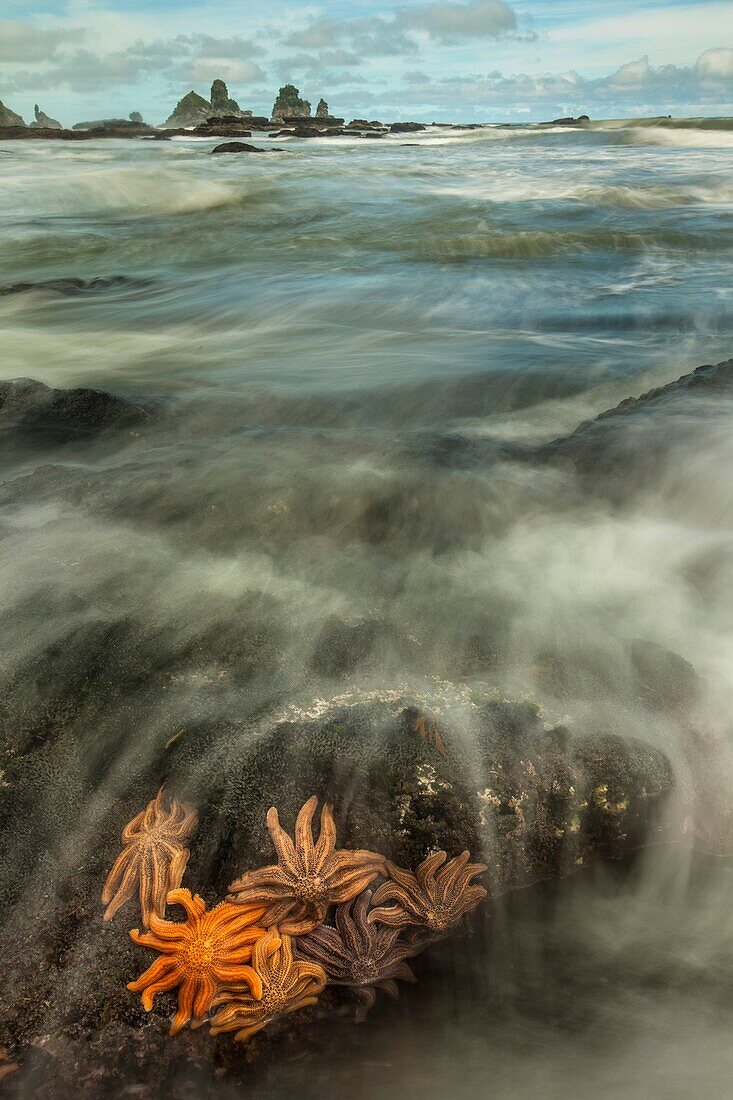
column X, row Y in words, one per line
column 44, row 121
column 191, row 110
column 289, row 105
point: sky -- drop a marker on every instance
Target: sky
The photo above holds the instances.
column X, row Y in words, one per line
column 443, row 60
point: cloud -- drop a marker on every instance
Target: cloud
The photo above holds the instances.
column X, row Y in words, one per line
column 454, row 23
column 368, row 37
column 397, row 35
column 179, row 60
column 21, row 42
column 715, row 66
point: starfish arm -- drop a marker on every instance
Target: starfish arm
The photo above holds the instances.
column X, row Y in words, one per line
column 194, row 905
column 348, row 930
column 425, row 873
column 302, row 922
column 166, row 929
column 241, row 976
column 327, row 836
column 267, row 884
column 390, row 988
column 154, row 886
column 314, row 975
column 246, row 1033
column 161, row 976
column 305, row 852
column 349, row 884
column 337, row 967
column 459, row 870
column 134, row 828
column 404, row 973
column 281, row 840
column 203, row 997
column 177, row 869
column 186, row 998
column 366, row 995
column 265, row 955
column 125, row 890
column 461, row 884
column 116, row 875
column 394, row 916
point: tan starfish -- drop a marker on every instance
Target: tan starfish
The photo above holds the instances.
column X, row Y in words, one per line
column 308, row 877
column 199, row 955
column 363, row 956
column 287, row 985
column 153, row 859
column 434, row 898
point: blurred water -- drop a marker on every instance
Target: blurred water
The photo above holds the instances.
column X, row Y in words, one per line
column 323, row 330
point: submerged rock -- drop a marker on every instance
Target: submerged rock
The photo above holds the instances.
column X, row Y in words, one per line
column 32, row 413
column 641, row 430
column 408, row 773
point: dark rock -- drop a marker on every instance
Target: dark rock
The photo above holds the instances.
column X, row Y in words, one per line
column 534, row 805
column 289, row 105
column 639, row 431
column 223, row 130
column 665, row 681
column 241, row 147
column 8, row 117
column 569, row 121
column 407, row 127
column 44, row 121
column 67, row 286
column 132, row 126
column 135, row 116
column 343, row 645
column 362, row 124
column 322, row 110
column 34, row 414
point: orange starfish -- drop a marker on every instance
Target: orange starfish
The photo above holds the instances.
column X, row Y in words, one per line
column 154, row 857
column 287, row 985
column 200, row 955
column 431, row 898
column 308, row 877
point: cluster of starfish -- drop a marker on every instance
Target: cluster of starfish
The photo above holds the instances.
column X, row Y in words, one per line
column 285, row 931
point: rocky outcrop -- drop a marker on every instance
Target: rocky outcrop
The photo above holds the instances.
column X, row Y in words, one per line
column 532, row 804
column 642, row 431
column 289, row 105
column 322, row 110
column 191, row 110
column 407, row 127
column 8, row 117
column 36, row 415
column 194, row 110
column 44, row 121
column 569, row 121
column 221, row 104
column 131, row 125
column 241, row 147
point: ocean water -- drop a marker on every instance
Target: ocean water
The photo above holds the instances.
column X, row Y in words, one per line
column 353, row 349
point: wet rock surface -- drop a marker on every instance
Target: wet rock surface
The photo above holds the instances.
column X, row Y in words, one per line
column 32, row 414
column 536, row 804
